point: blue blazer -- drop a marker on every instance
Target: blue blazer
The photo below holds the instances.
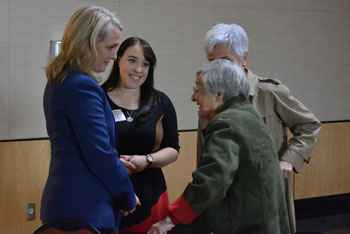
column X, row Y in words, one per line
column 87, row 182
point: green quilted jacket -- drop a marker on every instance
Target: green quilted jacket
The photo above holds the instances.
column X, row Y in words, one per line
column 237, row 187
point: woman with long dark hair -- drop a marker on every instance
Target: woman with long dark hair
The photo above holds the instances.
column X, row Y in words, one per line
column 147, row 126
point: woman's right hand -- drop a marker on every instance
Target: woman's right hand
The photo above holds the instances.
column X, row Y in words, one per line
column 129, row 165
column 134, row 163
column 127, row 212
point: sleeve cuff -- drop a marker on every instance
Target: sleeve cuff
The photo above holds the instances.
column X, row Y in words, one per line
column 181, row 212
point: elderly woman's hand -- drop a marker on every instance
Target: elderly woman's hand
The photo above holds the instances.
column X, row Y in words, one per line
column 161, row 227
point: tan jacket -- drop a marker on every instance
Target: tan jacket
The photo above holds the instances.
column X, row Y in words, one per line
column 281, row 111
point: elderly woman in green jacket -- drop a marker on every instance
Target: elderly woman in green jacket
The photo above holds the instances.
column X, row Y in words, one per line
column 237, row 187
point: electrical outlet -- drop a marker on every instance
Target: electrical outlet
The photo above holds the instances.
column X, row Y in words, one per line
column 30, row 211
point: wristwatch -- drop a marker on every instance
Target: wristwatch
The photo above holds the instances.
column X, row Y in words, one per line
column 149, row 159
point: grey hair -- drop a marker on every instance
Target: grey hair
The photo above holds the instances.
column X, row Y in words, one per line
column 232, row 35
column 226, row 78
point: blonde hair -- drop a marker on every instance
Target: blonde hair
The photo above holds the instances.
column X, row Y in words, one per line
column 87, row 26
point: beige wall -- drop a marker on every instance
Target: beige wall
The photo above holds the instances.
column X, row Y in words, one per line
column 303, row 43
column 24, row 168
column 26, row 27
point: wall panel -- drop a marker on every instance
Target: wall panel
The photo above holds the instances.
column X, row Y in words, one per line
column 328, row 171
column 179, row 174
column 24, row 168
column 23, row 171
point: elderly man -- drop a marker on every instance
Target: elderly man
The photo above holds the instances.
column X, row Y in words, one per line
column 278, row 108
column 237, row 187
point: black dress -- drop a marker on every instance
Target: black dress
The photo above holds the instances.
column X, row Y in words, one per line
column 136, row 136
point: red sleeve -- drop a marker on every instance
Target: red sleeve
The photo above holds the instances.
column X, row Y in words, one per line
column 181, row 212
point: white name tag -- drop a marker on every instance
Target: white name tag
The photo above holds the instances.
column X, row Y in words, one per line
column 118, row 115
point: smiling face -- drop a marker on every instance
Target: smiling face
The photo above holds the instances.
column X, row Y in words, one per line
column 106, row 49
column 133, row 67
column 207, row 103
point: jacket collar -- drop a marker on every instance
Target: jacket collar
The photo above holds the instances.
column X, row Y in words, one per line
column 253, row 83
column 232, row 102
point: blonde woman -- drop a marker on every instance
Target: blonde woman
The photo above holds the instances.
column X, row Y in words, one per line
column 87, row 183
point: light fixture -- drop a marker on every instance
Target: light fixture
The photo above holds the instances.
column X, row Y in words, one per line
column 55, row 48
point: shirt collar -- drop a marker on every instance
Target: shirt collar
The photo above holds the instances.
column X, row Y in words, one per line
column 253, row 83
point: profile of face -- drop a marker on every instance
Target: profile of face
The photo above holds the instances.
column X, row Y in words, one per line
column 207, row 103
column 107, row 48
column 133, row 67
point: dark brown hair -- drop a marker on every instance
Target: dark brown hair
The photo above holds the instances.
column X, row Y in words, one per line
column 149, row 96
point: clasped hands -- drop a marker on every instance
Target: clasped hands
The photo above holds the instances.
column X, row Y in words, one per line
column 134, row 163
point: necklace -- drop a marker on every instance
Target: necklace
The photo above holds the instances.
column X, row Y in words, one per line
column 129, row 117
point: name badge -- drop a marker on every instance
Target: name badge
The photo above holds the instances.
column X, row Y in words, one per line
column 118, row 115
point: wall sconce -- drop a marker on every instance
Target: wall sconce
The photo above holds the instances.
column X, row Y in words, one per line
column 55, row 48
